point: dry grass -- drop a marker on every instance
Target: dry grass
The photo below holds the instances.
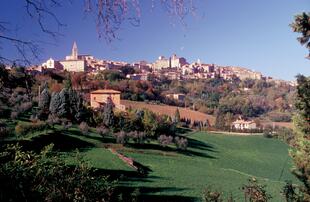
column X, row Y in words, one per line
column 280, row 124
column 170, row 111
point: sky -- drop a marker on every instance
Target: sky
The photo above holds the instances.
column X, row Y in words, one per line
column 249, row 33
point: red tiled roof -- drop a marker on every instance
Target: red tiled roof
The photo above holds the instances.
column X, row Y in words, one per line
column 105, row 91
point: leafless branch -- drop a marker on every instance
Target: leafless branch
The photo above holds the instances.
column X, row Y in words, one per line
column 39, row 10
column 109, row 16
column 28, row 50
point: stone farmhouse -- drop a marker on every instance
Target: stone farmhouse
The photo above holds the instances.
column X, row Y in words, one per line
column 99, row 98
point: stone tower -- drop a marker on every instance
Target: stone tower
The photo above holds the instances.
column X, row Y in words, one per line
column 74, row 51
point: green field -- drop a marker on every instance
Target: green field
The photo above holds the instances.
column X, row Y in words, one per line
column 223, row 161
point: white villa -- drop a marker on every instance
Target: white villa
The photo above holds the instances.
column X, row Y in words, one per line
column 242, row 124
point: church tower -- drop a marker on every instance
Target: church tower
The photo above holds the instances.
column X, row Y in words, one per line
column 74, row 51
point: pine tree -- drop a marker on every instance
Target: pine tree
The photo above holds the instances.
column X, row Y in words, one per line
column 45, row 99
column 64, row 108
column 55, row 103
column 44, row 103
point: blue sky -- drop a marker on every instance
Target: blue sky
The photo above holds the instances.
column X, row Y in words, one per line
column 247, row 33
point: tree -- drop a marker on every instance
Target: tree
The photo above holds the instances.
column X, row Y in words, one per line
column 220, row 120
column 150, row 123
column 301, row 147
column 301, row 25
column 177, row 117
column 68, row 83
column 55, row 103
column 77, row 110
column 108, row 114
column 4, row 77
column 301, row 151
column 64, row 108
column 44, row 103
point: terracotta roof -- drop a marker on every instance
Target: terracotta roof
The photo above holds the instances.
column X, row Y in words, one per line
column 105, row 91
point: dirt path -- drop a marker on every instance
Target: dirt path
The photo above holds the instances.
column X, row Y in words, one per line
column 127, row 160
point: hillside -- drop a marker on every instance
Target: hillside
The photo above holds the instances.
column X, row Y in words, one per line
column 170, row 110
column 210, row 157
column 221, row 161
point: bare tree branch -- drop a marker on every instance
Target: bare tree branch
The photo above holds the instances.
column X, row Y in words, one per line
column 38, row 10
column 109, row 16
column 26, row 49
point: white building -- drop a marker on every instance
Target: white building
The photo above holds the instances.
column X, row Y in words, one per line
column 241, row 124
column 49, row 64
column 74, row 63
column 176, row 62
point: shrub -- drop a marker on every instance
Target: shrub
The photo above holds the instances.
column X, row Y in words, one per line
column 53, row 119
column 84, row 128
column 255, row 192
column 211, row 195
column 291, row 192
column 24, row 107
column 165, row 140
column 103, row 131
column 137, row 136
column 66, row 125
column 268, row 131
column 4, row 131
column 14, row 115
column 26, row 176
column 280, row 117
column 22, row 129
column 33, row 118
column 121, row 137
column 181, row 143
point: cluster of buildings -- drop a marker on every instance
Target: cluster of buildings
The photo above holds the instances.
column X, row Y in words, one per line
column 173, row 68
column 79, row 63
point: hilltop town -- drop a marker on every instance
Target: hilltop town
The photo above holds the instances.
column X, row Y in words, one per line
column 81, row 126
column 173, row 68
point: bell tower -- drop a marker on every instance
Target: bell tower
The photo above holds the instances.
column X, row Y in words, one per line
column 74, row 51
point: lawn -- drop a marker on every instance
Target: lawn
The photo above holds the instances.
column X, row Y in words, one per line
column 225, row 162
column 221, row 161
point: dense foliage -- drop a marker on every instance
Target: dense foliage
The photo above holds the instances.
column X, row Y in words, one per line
column 26, row 176
column 301, row 147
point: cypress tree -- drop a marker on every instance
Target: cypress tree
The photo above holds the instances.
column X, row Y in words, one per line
column 177, row 116
column 108, row 114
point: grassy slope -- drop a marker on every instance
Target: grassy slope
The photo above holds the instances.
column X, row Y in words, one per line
column 223, row 161
column 226, row 163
